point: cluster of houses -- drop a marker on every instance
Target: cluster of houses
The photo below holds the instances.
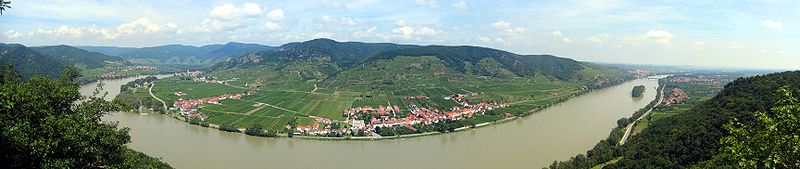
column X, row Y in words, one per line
column 207, row 79
column 190, row 73
column 112, row 75
column 692, row 80
column 147, row 68
column 189, row 107
column 675, row 96
column 368, row 118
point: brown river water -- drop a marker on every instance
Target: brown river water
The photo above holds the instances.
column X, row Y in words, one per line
column 556, row 133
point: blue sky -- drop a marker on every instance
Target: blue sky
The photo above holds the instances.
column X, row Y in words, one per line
column 752, row 34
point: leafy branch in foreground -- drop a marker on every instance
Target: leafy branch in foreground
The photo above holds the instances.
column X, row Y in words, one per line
column 46, row 123
column 771, row 141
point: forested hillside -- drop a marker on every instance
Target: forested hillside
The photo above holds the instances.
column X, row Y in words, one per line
column 695, row 138
column 79, row 57
column 179, row 54
column 325, row 59
column 28, row 62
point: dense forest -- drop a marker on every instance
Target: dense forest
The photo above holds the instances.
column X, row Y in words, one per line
column 47, row 123
column 751, row 123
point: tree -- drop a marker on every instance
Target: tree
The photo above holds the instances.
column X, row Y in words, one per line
column 45, row 126
column 772, row 141
column 4, row 5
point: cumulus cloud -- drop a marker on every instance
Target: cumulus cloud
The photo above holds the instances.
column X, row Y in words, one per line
column 409, row 32
column 501, row 25
column 461, row 5
column 276, row 15
column 566, row 40
column 144, row 25
column 231, row 12
column 772, row 24
column 270, row 25
column 507, row 29
column 484, row 39
column 660, row 36
column 365, row 33
column 557, row 33
column 600, row 38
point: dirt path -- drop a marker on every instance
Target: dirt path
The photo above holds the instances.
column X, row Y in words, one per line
column 255, row 110
column 154, row 96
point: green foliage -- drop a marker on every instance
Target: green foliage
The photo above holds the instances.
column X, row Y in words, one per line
column 771, row 141
column 257, row 130
column 229, row 128
column 44, row 126
column 637, row 91
column 693, row 137
column 28, row 62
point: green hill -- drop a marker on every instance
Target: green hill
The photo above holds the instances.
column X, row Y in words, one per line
column 179, row 54
column 79, row 57
column 27, row 62
column 694, row 136
column 338, row 65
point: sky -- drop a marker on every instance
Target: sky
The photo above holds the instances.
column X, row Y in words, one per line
column 727, row 33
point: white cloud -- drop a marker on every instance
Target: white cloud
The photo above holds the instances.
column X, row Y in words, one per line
column 275, row 15
column 484, row 39
column 557, row 33
column 409, row 32
column 144, row 25
column 404, row 31
column 365, row 33
column 231, row 12
column 427, row 31
column 461, row 5
column 660, row 36
column 324, row 35
column 501, row 25
column 11, row 34
column 325, row 18
column 431, row 3
column 600, row 38
column 567, row 40
column 350, row 21
column 270, row 25
column 772, row 24
column 502, row 41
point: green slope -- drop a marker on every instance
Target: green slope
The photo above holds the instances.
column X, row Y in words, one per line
column 693, row 136
column 28, row 62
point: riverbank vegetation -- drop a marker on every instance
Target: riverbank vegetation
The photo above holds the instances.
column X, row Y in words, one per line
column 718, row 132
column 48, row 124
column 637, row 91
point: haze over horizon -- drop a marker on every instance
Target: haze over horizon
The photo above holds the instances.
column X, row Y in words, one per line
column 747, row 34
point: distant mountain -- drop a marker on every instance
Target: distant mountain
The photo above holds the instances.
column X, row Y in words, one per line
column 27, row 62
column 79, row 57
column 336, row 64
column 179, row 54
column 340, row 56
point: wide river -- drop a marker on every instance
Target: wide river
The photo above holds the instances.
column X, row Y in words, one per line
column 556, row 133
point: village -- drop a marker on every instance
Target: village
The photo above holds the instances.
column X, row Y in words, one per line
column 370, row 119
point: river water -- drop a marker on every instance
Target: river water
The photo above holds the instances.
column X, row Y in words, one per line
column 556, row 133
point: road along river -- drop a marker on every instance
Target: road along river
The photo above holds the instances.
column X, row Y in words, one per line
column 556, row 133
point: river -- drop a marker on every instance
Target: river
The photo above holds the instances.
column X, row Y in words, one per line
column 556, row 133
